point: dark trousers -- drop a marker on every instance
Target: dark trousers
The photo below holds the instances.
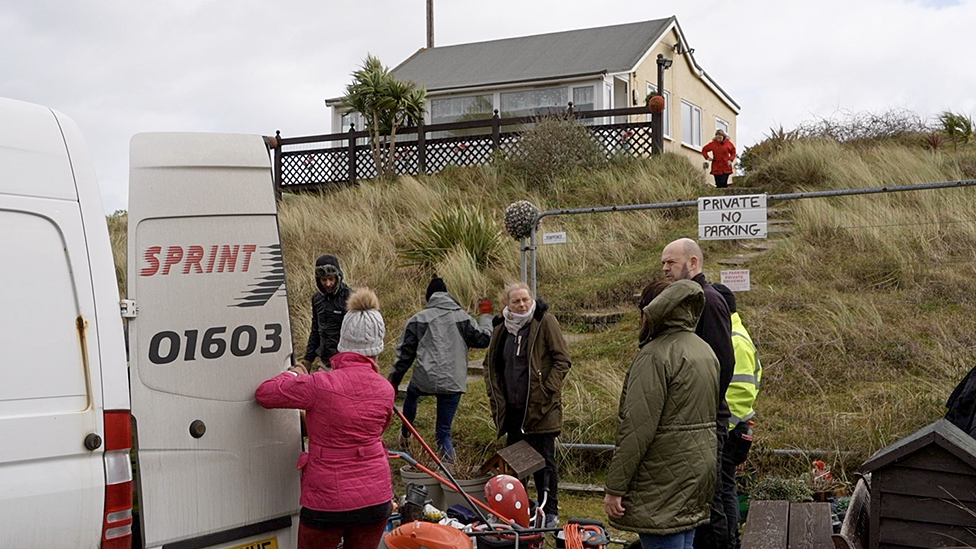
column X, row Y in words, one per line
column 721, row 180
column 352, row 536
column 447, row 406
column 734, row 454
column 715, row 534
column 546, row 446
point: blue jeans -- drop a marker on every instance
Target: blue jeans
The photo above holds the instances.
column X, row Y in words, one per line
column 447, row 406
column 684, row 540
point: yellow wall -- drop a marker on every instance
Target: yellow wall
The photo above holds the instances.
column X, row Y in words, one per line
column 683, row 82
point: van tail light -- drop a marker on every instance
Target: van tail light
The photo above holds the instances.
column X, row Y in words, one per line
column 117, row 521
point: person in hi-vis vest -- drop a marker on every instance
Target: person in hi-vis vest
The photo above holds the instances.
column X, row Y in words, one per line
column 741, row 395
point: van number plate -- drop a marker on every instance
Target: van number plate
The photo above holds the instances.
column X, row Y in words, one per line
column 270, row 543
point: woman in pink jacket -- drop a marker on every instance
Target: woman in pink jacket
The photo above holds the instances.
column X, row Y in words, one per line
column 723, row 153
column 346, row 483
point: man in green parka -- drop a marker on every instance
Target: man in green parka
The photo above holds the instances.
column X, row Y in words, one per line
column 662, row 477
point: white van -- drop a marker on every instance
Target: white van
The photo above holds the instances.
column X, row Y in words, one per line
column 208, row 321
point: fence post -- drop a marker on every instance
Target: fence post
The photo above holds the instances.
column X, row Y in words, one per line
column 277, row 165
column 496, row 132
column 352, row 154
column 570, row 110
column 421, row 148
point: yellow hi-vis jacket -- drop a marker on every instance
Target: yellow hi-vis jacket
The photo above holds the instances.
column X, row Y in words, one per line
column 744, row 388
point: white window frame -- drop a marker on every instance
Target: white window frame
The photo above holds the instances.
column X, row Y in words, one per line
column 667, row 110
column 696, row 119
column 722, row 125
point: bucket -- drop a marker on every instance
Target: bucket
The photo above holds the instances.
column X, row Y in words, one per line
column 473, row 487
column 434, row 492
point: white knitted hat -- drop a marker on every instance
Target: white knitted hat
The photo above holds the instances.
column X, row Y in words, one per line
column 363, row 328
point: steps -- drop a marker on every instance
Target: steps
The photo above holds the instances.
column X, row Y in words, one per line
column 778, row 224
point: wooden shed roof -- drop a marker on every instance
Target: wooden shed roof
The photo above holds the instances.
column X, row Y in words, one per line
column 941, row 433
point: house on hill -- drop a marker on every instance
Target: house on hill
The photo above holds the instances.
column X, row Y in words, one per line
column 595, row 69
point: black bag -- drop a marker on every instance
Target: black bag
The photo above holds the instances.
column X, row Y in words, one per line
column 962, row 404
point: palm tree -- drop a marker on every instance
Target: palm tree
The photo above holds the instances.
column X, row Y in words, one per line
column 386, row 104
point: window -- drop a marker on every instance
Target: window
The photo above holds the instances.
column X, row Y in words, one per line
column 454, row 109
column 667, row 109
column 721, row 125
column 41, row 254
column 534, row 102
column 583, row 98
column 351, row 117
column 691, row 125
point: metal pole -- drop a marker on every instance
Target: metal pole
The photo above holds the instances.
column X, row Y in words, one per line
column 772, row 197
column 657, row 119
column 430, row 24
column 532, row 251
column 525, row 267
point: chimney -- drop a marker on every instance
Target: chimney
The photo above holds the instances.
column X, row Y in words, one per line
column 430, row 24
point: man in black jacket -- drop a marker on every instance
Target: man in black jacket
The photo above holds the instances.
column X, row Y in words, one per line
column 328, row 309
column 682, row 260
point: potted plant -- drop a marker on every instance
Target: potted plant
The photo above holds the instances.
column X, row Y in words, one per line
column 655, row 102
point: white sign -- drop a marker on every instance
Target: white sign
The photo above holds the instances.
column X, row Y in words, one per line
column 554, row 238
column 732, row 217
column 737, row 280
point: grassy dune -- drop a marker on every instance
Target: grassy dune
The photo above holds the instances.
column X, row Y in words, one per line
column 863, row 316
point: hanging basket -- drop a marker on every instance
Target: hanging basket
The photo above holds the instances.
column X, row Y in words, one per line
column 519, row 217
column 655, row 104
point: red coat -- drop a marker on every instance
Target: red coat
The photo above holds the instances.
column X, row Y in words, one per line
column 346, row 466
column 722, row 156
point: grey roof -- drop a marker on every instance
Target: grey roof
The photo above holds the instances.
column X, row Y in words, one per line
column 557, row 55
column 941, row 433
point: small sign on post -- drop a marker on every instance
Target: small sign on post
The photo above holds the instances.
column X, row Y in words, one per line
column 732, row 217
column 554, row 238
column 736, row 279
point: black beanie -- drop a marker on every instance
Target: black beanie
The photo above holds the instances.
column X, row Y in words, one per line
column 727, row 294
column 436, row 285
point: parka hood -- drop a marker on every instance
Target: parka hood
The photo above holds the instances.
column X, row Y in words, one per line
column 328, row 260
column 679, row 306
column 442, row 300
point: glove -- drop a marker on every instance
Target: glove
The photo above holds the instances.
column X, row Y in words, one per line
column 484, row 306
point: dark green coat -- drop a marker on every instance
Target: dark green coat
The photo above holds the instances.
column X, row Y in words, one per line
column 548, row 365
column 665, row 462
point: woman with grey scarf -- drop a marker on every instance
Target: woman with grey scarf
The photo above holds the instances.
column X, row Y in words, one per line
column 526, row 363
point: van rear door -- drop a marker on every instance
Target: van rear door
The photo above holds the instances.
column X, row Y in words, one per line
column 206, row 272
column 52, row 478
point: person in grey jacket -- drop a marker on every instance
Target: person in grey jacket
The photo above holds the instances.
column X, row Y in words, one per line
column 438, row 338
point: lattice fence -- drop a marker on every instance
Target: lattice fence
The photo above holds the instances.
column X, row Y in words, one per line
column 304, row 163
column 633, row 138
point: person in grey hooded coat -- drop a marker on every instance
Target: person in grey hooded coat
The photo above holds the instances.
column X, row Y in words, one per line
column 437, row 339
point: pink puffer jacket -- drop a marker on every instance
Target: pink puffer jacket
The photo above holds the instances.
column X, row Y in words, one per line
column 346, row 466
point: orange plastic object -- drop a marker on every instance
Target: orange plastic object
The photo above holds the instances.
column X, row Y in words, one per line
column 428, row 535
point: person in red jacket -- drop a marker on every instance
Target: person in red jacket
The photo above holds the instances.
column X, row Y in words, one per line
column 346, row 482
column 723, row 153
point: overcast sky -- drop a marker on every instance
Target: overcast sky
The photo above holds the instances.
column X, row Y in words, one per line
column 120, row 67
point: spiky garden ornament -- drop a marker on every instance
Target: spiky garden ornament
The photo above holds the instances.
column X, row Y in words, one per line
column 519, row 217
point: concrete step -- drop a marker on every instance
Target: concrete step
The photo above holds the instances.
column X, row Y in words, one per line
column 578, row 487
column 739, row 259
column 575, row 338
column 592, row 321
column 757, row 245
